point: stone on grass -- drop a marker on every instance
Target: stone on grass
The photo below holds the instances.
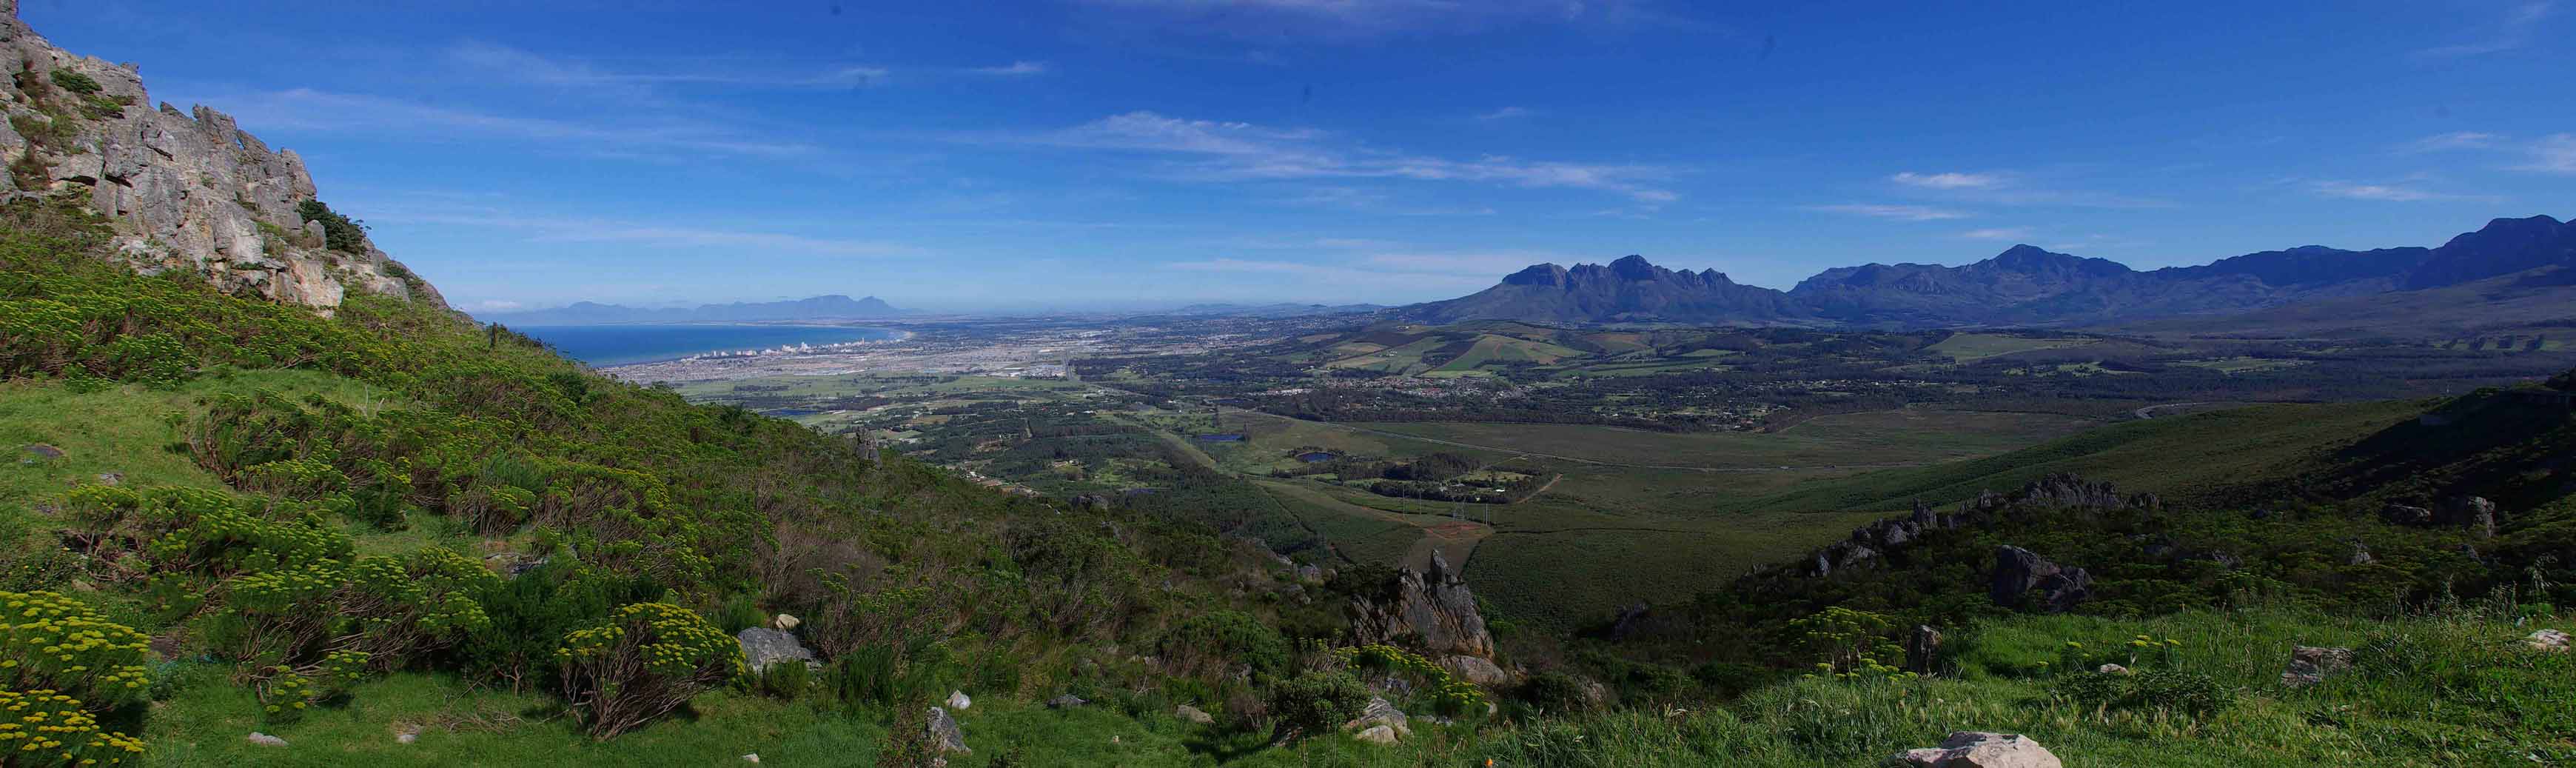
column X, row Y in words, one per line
column 2549, row 640
column 1067, row 701
column 1377, row 734
column 945, row 736
column 265, row 740
column 43, row 451
column 1380, row 713
column 751, row 758
column 1980, row 749
column 762, row 647
column 2310, row 665
column 1192, row 714
column 2112, row 669
column 957, row 700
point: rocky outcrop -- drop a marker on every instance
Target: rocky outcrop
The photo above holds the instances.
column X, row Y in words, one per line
column 1870, row 544
column 1434, row 606
column 2549, row 641
column 2474, row 513
column 1381, row 714
column 2021, row 578
column 1923, row 650
column 1979, row 749
column 186, row 190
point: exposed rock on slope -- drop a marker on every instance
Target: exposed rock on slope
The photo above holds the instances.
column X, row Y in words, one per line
column 186, row 191
column 1434, row 606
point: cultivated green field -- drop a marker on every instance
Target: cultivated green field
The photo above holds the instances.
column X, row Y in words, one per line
column 1842, row 440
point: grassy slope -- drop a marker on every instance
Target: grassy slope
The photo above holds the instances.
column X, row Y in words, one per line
column 2195, row 456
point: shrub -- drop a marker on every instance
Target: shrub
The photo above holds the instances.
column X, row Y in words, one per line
column 339, row 233
column 77, row 83
column 1448, row 694
column 785, row 679
column 644, row 661
column 1211, row 641
column 1315, row 703
column 1555, row 692
column 48, row 728
column 530, row 615
column 56, row 644
column 2151, row 690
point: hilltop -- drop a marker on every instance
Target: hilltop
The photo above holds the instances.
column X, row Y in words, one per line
column 2030, row 286
column 187, row 191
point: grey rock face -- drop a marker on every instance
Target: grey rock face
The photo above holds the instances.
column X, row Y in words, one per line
column 945, row 736
column 1435, row 605
column 1477, row 670
column 185, row 190
column 2022, row 577
column 762, row 647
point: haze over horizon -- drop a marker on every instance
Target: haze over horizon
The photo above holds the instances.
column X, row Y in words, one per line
column 1129, row 152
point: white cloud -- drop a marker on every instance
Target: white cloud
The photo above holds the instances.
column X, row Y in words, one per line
column 2455, row 140
column 1997, row 233
column 497, row 305
column 308, row 109
column 1948, row 180
column 2383, row 192
column 2511, row 31
column 1505, row 113
column 1015, row 69
column 2555, row 153
column 1899, row 212
column 1236, row 151
column 1355, row 20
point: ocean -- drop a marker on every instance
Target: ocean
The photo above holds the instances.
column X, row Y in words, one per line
column 605, row 345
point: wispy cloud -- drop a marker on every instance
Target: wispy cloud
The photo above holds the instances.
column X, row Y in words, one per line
column 2011, row 188
column 1357, row 20
column 1898, row 212
column 312, row 110
column 2382, row 192
column 1997, row 233
column 1505, row 113
column 2454, row 140
column 2510, row 31
column 647, row 234
column 1014, row 69
column 1235, row 151
column 2555, row 153
column 537, row 69
column 1948, row 180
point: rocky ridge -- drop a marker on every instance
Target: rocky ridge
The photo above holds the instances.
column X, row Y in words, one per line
column 185, row 190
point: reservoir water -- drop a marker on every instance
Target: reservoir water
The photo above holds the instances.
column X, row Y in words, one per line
column 604, row 345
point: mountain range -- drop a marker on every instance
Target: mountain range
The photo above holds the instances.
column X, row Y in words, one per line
column 833, row 307
column 2023, row 286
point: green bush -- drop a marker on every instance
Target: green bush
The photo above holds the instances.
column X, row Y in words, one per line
column 644, row 661
column 785, row 680
column 1217, row 640
column 79, row 84
column 53, row 643
column 1315, row 703
column 2149, row 690
column 339, row 233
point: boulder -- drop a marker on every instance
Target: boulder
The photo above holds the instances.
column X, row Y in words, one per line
column 762, row 647
column 1923, row 649
column 1376, row 735
column 751, row 758
column 2548, row 640
column 2112, row 669
column 957, row 700
column 1067, row 701
column 1434, row 605
column 1978, row 749
column 1381, row 714
column 784, row 622
column 1192, row 714
column 945, row 736
column 264, row 740
column 1477, row 670
column 2310, row 665
column 2023, row 578
column 2472, row 512
column 2360, row 555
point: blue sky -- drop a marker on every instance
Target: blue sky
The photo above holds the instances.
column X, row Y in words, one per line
column 1098, row 153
